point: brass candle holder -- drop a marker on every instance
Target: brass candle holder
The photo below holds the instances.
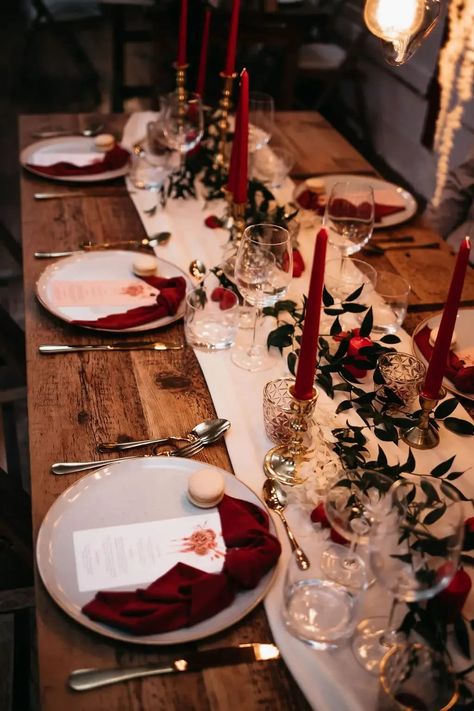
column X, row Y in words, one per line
column 181, row 85
column 285, row 461
column 225, row 104
column 238, row 221
column 424, row 434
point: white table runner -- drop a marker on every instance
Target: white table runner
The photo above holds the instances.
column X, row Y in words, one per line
column 331, row 681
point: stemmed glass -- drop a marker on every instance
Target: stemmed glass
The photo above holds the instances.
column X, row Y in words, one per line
column 349, row 216
column 353, row 504
column 261, row 112
column 414, row 551
column 263, row 271
column 182, row 123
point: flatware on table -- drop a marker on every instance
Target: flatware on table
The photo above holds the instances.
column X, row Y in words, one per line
column 160, row 239
column 85, row 679
column 117, row 346
column 275, row 498
column 376, row 249
column 73, row 194
column 56, row 133
column 437, row 306
column 188, row 450
column 202, row 431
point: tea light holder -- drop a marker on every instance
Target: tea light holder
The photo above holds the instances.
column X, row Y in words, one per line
column 285, row 461
column 225, row 104
column 424, row 434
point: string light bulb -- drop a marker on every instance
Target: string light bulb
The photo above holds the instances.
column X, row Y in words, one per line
column 402, row 25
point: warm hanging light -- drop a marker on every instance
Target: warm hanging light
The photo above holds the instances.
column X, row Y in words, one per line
column 402, row 25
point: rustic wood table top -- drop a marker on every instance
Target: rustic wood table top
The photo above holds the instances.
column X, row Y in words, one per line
column 75, row 401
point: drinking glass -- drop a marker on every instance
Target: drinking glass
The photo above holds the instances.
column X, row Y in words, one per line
column 402, row 374
column 390, row 308
column 262, row 272
column 261, row 116
column 273, row 165
column 211, row 323
column 318, row 611
column 414, row 552
column 182, row 123
column 353, row 504
column 349, row 216
column 151, row 165
column 343, row 276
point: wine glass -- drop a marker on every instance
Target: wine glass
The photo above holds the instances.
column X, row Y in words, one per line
column 182, row 123
column 263, row 271
column 353, row 504
column 349, row 216
column 414, row 552
column 261, row 113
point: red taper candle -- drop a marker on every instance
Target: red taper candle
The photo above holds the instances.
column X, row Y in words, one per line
column 439, row 357
column 242, row 126
column 304, row 384
column 232, row 177
column 232, row 41
column 201, row 81
column 182, row 37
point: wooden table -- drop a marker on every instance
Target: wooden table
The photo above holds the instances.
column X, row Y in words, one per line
column 77, row 400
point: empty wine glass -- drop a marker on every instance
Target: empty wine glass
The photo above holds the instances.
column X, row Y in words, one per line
column 182, row 123
column 263, row 271
column 349, row 215
column 261, row 113
column 414, row 553
column 353, row 504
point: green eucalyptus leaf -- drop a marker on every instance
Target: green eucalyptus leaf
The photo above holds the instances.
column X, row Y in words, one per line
column 444, row 467
column 327, row 298
column 367, row 323
column 344, row 405
column 335, row 327
column 434, row 515
column 353, row 308
column 384, row 435
column 460, row 427
column 390, row 338
column 446, row 408
column 355, row 294
column 452, row 476
column 281, row 337
column 291, row 362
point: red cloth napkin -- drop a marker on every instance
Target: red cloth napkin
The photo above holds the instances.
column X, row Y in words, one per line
column 460, row 375
column 171, row 294
column 114, row 159
column 185, row 595
column 310, row 201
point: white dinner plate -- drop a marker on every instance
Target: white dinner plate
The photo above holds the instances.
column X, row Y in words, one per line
column 131, row 492
column 464, row 346
column 390, row 194
column 68, row 145
column 106, row 266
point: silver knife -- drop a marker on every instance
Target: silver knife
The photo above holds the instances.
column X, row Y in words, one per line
column 53, row 255
column 85, row 679
column 125, row 346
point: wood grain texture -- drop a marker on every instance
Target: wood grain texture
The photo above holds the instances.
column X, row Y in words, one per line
column 78, row 400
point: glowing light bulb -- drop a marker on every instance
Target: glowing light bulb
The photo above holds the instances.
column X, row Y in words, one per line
column 391, row 20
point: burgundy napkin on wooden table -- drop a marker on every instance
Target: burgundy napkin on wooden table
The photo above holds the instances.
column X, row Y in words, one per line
column 309, row 201
column 114, row 159
column 185, row 595
column 460, row 375
column 171, row 294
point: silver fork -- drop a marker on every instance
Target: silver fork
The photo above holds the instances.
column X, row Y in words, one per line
column 70, row 467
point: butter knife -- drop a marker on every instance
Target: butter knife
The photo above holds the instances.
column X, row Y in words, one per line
column 125, row 346
column 85, row 679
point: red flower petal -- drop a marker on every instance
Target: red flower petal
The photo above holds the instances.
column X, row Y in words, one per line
column 213, row 222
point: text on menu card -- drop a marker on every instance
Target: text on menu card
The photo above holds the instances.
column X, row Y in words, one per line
column 138, row 553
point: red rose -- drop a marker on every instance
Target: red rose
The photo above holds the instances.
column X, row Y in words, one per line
column 228, row 300
column 213, row 222
column 355, row 345
column 318, row 515
column 450, row 601
column 217, row 293
column 298, row 263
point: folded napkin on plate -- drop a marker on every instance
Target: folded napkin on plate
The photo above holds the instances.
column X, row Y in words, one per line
column 310, row 201
column 185, row 595
column 171, row 294
column 460, row 375
column 114, row 159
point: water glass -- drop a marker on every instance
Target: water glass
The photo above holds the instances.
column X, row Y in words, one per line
column 273, row 165
column 261, row 113
column 390, row 308
column 403, row 374
column 152, row 165
column 319, row 612
column 416, row 678
column 277, row 412
column 211, row 319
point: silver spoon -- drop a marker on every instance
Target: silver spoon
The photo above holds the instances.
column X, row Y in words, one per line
column 198, row 270
column 161, row 238
column 275, row 498
column 202, row 431
column 87, row 132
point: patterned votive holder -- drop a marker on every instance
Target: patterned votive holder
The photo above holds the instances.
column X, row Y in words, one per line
column 277, row 410
column 403, row 376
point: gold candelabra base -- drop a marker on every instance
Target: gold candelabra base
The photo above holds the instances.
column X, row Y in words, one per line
column 424, row 434
column 225, row 104
column 238, row 221
column 181, row 84
column 285, row 461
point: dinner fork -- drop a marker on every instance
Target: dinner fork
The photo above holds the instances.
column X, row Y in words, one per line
column 71, row 467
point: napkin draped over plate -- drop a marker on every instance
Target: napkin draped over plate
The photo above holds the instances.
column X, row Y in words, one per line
column 184, row 595
column 171, row 294
column 460, row 375
column 114, row 159
column 310, row 201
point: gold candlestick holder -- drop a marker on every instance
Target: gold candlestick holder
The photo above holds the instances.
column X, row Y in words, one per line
column 424, row 434
column 181, row 85
column 225, row 104
column 285, row 461
column 238, row 221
